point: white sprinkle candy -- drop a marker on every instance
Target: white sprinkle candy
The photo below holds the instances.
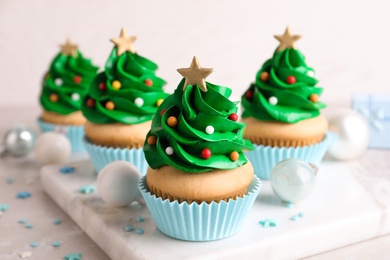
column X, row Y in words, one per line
column 169, row 150
column 139, row 102
column 273, row 101
column 75, row 96
column 310, row 73
column 58, row 81
column 209, row 129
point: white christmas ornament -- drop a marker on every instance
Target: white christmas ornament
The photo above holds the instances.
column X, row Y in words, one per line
column 51, row 148
column 139, row 102
column 209, row 130
column 293, row 180
column 273, row 101
column 351, row 135
column 117, row 184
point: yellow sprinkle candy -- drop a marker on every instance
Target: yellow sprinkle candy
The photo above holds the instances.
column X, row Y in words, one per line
column 159, row 102
column 116, row 84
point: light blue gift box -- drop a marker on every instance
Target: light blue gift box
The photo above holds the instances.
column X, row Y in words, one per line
column 376, row 109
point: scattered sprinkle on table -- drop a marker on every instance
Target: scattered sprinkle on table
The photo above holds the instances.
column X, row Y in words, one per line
column 301, row 214
column 57, row 221
column 87, row 189
column 294, row 218
column 268, row 223
column 28, row 225
column 25, row 254
column 128, row 228
column 9, row 180
column 288, row 205
column 140, row 219
column 56, row 244
column 73, row 256
column 67, row 170
column 140, row 231
column 4, row 207
column 34, row 244
column 22, row 220
column 23, row 195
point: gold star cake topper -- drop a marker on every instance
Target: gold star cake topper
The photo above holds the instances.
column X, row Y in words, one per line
column 69, row 49
column 124, row 43
column 287, row 40
column 195, row 74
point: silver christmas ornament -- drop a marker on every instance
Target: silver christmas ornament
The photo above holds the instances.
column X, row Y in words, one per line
column 18, row 141
column 351, row 135
column 292, row 180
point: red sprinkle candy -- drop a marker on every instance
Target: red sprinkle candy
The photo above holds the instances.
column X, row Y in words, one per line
column 148, row 82
column 77, row 79
column 162, row 112
column 206, row 153
column 233, row 117
column 102, row 86
column 249, row 94
column 91, row 102
column 291, row 80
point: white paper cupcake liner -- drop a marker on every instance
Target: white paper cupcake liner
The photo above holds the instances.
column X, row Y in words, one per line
column 103, row 155
column 73, row 133
column 200, row 222
column 264, row 158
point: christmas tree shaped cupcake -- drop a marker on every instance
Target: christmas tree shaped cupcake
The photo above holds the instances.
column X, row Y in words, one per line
column 199, row 185
column 120, row 105
column 282, row 110
column 63, row 89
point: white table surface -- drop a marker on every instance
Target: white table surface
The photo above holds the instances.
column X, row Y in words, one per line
column 373, row 169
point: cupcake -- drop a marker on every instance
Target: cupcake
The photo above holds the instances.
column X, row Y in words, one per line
column 63, row 89
column 120, row 105
column 282, row 110
column 199, row 185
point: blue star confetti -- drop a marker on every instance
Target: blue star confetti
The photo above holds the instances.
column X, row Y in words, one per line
column 301, row 214
column 56, row 244
column 87, row 189
column 268, row 223
column 288, row 205
column 140, row 219
column 28, row 225
column 22, row 220
column 9, row 180
column 67, row 170
column 23, row 195
column 34, row 244
column 294, row 218
column 129, row 228
column 140, row 231
column 73, row 256
column 4, row 207
column 57, row 221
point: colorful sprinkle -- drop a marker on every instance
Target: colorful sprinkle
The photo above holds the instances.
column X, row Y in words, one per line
column 87, row 189
column 56, row 244
column 301, row 214
column 58, row 81
column 73, row 256
column 28, row 225
column 53, row 98
column 139, row 102
column 110, row 105
column 268, row 223
column 75, row 96
column 288, row 205
column 77, row 79
column 140, row 219
column 91, row 102
column 57, row 221
column 206, row 153
column 162, row 112
column 34, row 244
column 4, row 207
column 22, row 220
column 152, row 140
column 23, row 195
column 291, row 80
column 249, row 94
column 116, row 84
column 233, row 117
column 129, row 228
column 264, row 76
column 294, row 218
column 172, row 121
column 314, row 98
column 148, row 82
column 169, row 150
column 67, row 170
column 310, row 73
column 102, row 86
column 140, row 231
column 9, row 180
column 209, row 129
column 159, row 102
column 273, row 100
column 234, row 156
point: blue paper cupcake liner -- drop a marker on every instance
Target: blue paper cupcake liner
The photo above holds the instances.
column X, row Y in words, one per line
column 200, row 222
column 73, row 133
column 264, row 158
column 103, row 155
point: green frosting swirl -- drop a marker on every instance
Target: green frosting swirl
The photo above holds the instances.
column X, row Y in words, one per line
column 68, row 79
column 195, row 110
column 294, row 102
column 132, row 71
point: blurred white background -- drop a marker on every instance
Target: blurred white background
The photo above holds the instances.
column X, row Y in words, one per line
column 346, row 42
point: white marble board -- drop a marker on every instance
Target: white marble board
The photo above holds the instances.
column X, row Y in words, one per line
column 343, row 209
